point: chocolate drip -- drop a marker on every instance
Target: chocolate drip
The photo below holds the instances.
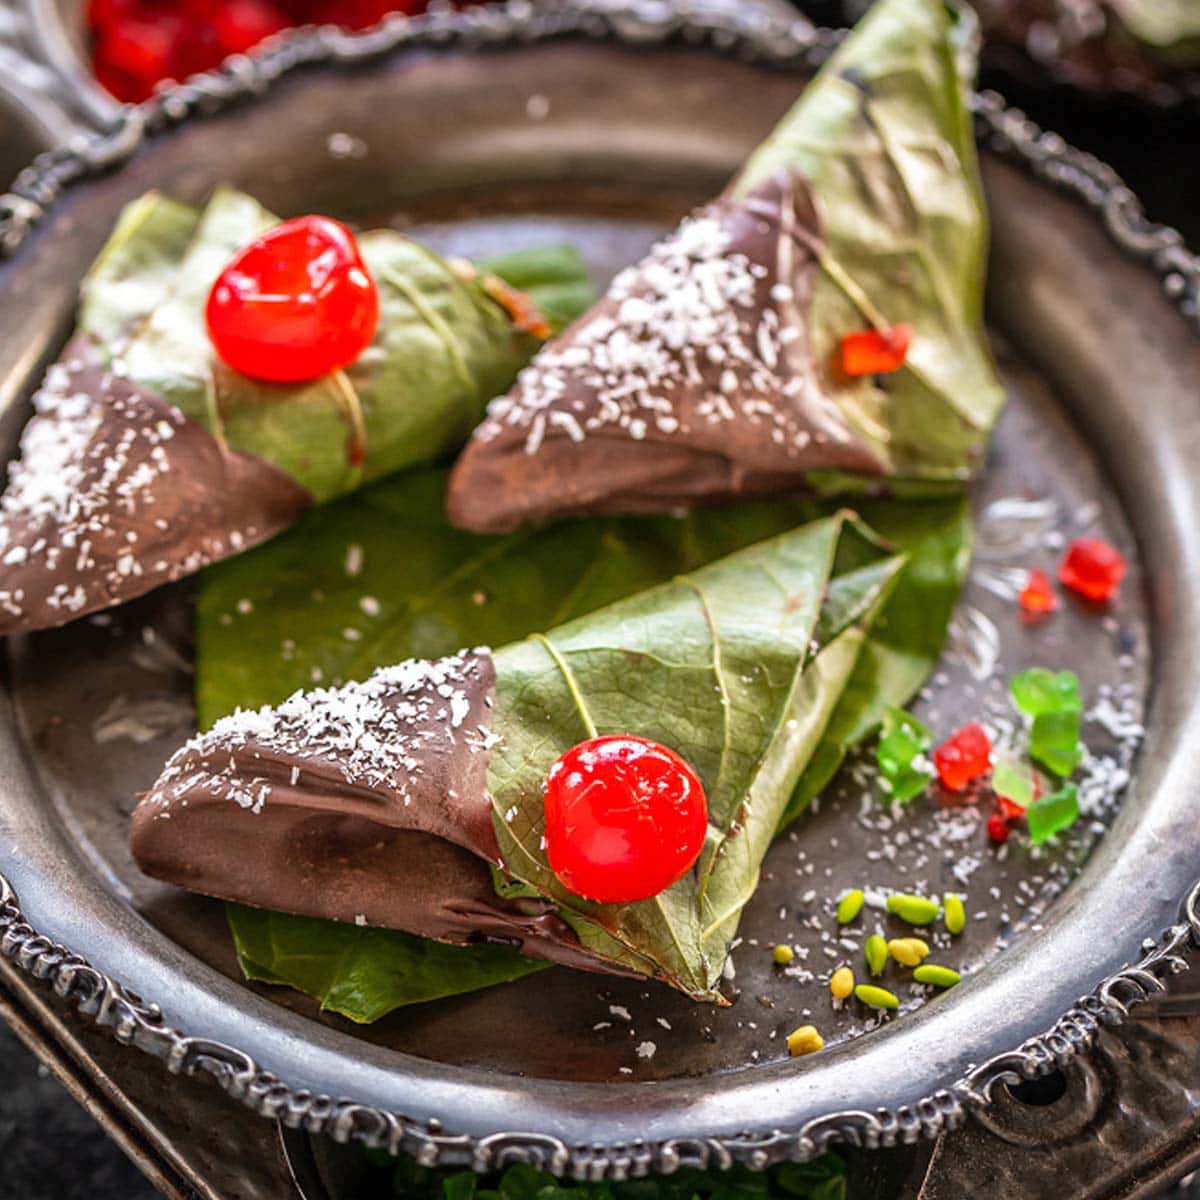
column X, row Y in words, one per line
column 116, row 492
column 366, row 803
column 693, row 379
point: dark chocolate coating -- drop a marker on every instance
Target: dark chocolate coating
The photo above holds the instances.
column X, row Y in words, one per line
column 365, row 804
column 693, row 379
column 117, row 492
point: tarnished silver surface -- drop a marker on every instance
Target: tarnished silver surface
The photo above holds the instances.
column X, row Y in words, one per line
column 43, row 77
column 859, row 1097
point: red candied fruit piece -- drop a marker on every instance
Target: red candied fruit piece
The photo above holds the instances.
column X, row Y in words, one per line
column 874, row 351
column 295, row 304
column 1010, row 810
column 1092, row 568
column 963, row 757
column 997, row 829
column 625, row 818
column 1037, row 596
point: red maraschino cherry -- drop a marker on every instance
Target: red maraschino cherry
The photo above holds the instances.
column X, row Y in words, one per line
column 295, row 304
column 625, row 818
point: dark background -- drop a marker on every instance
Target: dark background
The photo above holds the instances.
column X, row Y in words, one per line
column 53, row 1150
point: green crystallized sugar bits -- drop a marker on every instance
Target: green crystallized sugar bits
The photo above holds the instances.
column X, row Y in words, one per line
column 900, row 754
column 1054, row 702
column 1052, row 814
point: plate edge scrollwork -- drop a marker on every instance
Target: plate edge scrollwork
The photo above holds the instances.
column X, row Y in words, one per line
column 135, row 1022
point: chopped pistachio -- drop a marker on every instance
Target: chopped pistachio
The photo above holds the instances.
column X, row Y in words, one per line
column 942, row 977
column 876, row 997
column 805, row 1040
column 916, row 910
column 909, row 952
column 876, row 952
column 841, row 983
column 850, row 905
column 954, row 912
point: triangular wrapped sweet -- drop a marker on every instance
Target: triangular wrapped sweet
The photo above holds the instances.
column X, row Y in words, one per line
column 366, row 803
column 711, row 369
column 147, row 458
column 414, row 800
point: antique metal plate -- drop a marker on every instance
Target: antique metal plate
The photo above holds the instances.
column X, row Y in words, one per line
column 604, row 143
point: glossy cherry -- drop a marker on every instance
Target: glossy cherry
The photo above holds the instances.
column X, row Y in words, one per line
column 625, row 818
column 963, row 757
column 295, row 304
column 1092, row 568
column 874, row 351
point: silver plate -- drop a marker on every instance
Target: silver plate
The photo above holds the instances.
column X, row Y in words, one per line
column 631, row 127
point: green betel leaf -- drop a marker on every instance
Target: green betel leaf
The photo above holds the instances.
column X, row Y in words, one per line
column 555, row 276
column 884, row 136
column 443, row 348
column 380, row 576
column 359, row 972
column 906, row 639
column 737, row 669
column 137, row 268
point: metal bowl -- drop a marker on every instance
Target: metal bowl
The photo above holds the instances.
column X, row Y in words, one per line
column 484, row 128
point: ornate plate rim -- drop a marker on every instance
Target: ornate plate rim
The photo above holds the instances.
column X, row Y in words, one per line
column 748, row 34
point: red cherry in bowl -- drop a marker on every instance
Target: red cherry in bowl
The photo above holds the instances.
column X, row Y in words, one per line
column 295, row 304
column 625, row 818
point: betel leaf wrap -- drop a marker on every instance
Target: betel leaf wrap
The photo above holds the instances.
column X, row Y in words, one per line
column 380, row 576
column 885, row 137
column 738, row 665
column 147, row 458
column 444, row 345
column 712, row 370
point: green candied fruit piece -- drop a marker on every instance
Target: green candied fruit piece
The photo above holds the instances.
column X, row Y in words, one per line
column 900, row 755
column 1054, row 742
column 1054, row 702
column 1053, row 813
column 1014, row 781
column 1039, row 691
